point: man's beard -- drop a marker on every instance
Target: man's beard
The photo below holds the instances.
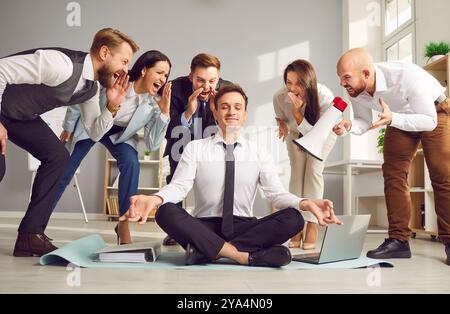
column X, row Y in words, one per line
column 356, row 91
column 105, row 76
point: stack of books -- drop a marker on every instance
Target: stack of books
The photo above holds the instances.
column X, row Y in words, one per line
column 112, row 204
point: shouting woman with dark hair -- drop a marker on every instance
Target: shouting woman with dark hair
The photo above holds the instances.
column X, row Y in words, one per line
column 140, row 108
column 298, row 106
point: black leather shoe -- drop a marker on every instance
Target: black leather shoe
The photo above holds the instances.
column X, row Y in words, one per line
column 29, row 244
column 194, row 256
column 275, row 256
column 447, row 251
column 391, row 248
column 168, row 241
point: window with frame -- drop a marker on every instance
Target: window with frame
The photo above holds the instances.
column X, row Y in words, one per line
column 399, row 30
column 397, row 14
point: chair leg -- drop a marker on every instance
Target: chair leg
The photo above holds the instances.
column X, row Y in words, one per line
column 81, row 198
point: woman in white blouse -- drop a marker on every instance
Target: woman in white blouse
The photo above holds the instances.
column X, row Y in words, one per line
column 298, row 106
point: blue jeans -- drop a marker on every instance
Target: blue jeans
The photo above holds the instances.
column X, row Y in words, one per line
column 127, row 161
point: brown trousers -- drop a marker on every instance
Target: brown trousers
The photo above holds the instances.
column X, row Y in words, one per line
column 399, row 150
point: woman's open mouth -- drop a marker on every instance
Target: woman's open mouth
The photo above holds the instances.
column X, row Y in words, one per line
column 157, row 86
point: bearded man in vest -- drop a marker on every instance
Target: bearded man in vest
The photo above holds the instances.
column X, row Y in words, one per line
column 35, row 81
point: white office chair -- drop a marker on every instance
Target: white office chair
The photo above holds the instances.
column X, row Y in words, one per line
column 33, row 164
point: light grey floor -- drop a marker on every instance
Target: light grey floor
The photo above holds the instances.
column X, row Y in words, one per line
column 424, row 273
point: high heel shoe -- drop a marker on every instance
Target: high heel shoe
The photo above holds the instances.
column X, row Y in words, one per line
column 311, row 231
column 295, row 244
column 123, row 233
column 308, row 246
column 296, row 241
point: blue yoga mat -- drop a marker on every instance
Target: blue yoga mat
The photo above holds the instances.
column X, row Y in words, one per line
column 82, row 253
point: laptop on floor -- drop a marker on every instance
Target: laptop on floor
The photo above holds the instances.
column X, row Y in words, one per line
column 339, row 243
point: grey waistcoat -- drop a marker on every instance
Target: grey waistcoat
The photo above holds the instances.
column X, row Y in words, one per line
column 28, row 101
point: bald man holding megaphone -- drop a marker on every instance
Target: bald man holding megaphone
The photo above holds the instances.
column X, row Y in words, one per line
column 414, row 108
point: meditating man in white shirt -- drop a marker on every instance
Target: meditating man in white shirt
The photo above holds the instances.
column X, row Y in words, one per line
column 225, row 170
column 415, row 109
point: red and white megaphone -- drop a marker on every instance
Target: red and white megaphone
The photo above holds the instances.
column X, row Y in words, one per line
column 314, row 140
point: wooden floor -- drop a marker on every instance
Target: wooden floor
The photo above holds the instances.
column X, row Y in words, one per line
column 424, row 273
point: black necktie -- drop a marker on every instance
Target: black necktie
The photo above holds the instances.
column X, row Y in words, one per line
column 200, row 120
column 202, row 111
column 228, row 195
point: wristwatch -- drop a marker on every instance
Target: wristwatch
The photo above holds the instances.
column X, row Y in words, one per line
column 112, row 110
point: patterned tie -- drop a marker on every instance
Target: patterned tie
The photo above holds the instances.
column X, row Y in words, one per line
column 228, row 195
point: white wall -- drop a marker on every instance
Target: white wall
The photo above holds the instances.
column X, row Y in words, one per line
column 432, row 24
column 254, row 40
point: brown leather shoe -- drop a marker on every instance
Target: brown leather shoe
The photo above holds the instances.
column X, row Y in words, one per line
column 29, row 244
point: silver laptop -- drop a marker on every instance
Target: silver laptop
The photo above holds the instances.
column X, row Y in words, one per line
column 340, row 243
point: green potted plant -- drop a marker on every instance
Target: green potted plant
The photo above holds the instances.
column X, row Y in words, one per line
column 147, row 155
column 380, row 140
column 436, row 50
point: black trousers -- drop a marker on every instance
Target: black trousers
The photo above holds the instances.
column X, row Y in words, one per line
column 2, row 167
column 250, row 234
column 36, row 137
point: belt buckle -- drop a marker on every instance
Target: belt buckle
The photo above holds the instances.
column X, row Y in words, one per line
column 443, row 106
column 440, row 99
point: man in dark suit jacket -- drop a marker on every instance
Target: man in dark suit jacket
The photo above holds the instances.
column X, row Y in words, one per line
column 190, row 115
